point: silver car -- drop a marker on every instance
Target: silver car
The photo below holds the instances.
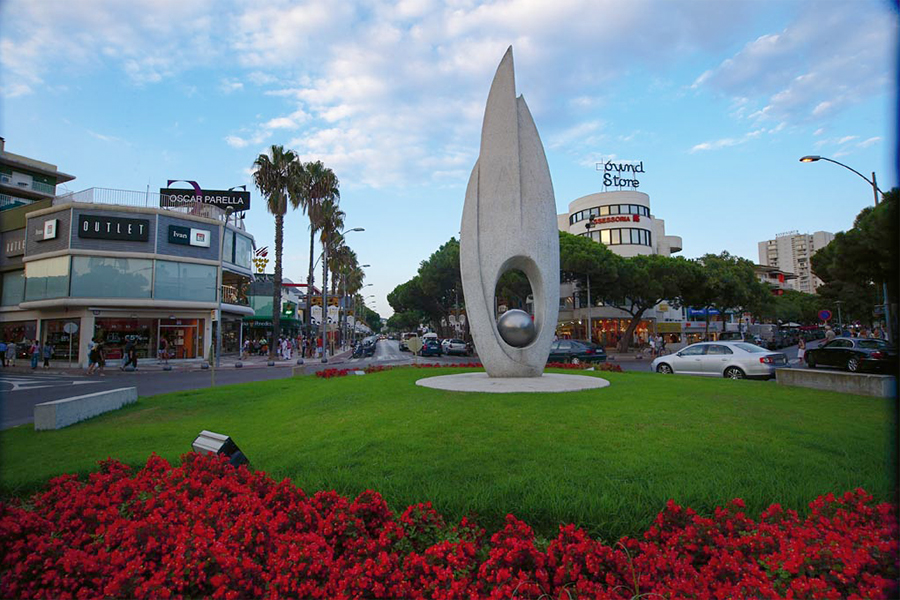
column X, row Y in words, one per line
column 735, row 360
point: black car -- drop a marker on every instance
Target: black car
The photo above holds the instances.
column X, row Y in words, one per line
column 575, row 351
column 854, row 354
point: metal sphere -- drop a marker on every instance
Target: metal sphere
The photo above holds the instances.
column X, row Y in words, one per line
column 516, row 328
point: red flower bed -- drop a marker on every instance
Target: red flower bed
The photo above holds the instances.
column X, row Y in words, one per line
column 206, row 529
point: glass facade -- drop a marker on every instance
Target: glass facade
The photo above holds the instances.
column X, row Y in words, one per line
column 48, row 278
column 243, row 251
column 185, row 281
column 13, row 288
column 616, row 237
column 108, row 277
column 228, row 246
column 20, row 332
column 115, row 333
column 607, row 210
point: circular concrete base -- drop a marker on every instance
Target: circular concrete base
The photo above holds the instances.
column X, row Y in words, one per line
column 480, row 382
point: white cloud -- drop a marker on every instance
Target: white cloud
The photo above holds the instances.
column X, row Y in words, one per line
column 824, row 62
column 236, row 142
column 869, row 142
column 228, row 86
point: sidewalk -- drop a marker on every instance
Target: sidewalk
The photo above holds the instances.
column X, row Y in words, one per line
column 152, row 365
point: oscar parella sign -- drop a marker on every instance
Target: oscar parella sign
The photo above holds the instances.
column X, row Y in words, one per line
column 238, row 201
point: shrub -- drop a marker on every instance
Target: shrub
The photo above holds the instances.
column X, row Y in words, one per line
column 207, row 529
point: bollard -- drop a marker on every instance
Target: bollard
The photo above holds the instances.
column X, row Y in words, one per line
column 238, row 365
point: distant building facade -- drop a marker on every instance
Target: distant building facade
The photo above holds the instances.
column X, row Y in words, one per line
column 24, row 180
column 791, row 252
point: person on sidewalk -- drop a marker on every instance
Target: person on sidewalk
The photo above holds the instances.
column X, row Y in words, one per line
column 3, row 352
column 130, row 355
column 829, row 333
column 47, row 352
column 163, row 350
column 92, row 354
column 11, row 350
column 801, row 351
column 35, row 353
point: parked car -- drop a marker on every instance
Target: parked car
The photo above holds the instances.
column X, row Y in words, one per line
column 576, row 351
column 455, row 347
column 734, row 360
column 430, row 347
column 403, row 345
column 854, row 354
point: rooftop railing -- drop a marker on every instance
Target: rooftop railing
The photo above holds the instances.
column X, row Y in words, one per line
column 148, row 199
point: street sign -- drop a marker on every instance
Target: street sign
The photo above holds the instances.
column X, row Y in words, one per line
column 70, row 327
column 414, row 344
column 825, row 314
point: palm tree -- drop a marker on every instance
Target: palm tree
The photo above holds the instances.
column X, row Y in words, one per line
column 328, row 220
column 273, row 176
column 315, row 183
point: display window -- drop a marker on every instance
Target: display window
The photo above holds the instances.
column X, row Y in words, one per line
column 115, row 333
column 65, row 346
column 184, row 337
column 20, row 332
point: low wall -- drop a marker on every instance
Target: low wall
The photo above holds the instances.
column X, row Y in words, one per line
column 67, row 411
column 862, row 384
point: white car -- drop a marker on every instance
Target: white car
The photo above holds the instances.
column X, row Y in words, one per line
column 455, row 346
column 735, row 360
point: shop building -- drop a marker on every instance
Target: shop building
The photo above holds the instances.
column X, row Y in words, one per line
column 118, row 266
column 621, row 220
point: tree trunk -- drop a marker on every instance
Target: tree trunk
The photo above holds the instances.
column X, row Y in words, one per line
column 309, row 291
column 706, row 330
column 625, row 342
column 276, row 291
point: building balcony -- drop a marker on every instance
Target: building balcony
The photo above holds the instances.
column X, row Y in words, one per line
column 27, row 190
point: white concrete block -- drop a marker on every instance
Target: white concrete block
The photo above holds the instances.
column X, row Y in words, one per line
column 67, row 411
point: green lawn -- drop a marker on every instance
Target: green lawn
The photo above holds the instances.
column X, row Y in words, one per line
column 606, row 459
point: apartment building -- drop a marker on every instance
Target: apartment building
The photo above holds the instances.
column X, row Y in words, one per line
column 791, row 252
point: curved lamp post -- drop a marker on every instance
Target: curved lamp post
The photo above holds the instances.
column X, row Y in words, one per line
column 887, row 315
column 325, row 296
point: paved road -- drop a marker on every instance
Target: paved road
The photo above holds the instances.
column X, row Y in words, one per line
column 21, row 390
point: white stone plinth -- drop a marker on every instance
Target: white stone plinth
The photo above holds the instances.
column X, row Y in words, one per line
column 67, row 411
column 480, row 382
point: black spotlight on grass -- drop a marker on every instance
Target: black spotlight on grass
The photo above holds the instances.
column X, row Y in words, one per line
column 216, row 443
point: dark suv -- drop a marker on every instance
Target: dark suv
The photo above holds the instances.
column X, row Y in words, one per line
column 576, row 351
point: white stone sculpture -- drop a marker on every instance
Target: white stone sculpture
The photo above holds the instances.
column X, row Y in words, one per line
column 509, row 222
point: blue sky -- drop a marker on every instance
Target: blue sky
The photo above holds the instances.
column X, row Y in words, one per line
column 719, row 99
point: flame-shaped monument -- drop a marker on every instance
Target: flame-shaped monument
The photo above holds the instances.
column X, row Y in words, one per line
column 509, row 222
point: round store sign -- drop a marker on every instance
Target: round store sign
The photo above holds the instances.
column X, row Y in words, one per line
column 825, row 314
column 70, row 327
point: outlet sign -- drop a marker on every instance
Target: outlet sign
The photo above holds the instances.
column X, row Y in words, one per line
column 113, row 228
column 188, row 236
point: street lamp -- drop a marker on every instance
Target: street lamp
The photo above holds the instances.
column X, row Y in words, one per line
column 216, row 362
column 875, row 191
column 325, row 296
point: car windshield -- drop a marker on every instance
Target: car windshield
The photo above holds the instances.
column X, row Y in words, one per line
column 750, row 348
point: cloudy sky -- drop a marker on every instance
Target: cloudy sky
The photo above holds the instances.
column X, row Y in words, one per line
column 717, row 98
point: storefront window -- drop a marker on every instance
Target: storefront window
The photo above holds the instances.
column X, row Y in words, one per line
column 185, row 281
column 115, row 333
column 13, row 288
column 20, row 332
column 108, row 277
column 243, row 250
column 65, row 346
column 184, row 337
column 48, row 278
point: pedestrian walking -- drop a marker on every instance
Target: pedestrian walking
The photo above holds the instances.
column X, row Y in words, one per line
column 163, row 350
column 801, row 351
column 93, row 356
column 47, row 353
column 35, row 352
column 11, row 350
column 3, row 352
column 130, row 355
column 652, row 342
column 245, row 350
column 829, row 333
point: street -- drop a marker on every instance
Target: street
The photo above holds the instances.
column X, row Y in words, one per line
column 22, row 388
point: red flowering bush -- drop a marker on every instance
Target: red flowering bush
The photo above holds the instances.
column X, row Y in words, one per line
column 206, row 529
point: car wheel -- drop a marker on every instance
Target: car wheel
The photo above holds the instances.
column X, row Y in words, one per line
column 664, row 369
column 734, row 373
column 853, row 364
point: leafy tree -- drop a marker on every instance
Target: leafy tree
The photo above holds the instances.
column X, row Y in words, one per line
column 582, row 260
column 856, row 263
column 273, row 175
column 646, row 280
